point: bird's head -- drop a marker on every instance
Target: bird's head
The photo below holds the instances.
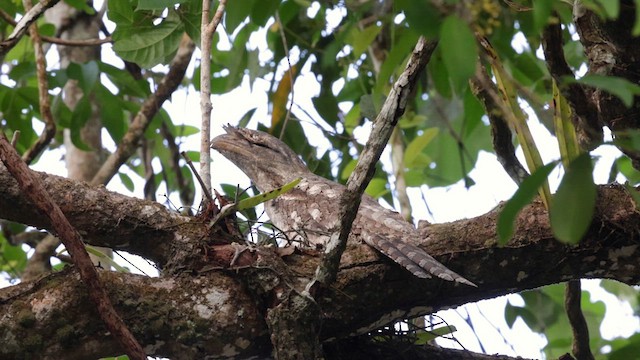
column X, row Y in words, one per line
column 266, row 160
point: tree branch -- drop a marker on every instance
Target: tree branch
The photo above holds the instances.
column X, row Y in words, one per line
column 384, row 124
column 102, row 217
column 43, row 96
column 207, row 30
column 180, row 319
column 485, row 91
column 354, row 304
column 23, row 25
column 573, row 296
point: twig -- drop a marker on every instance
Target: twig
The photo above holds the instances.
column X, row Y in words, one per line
column 43, row 96
column 6, row 17
column 146, row 155
column 21, row 27
column 394, row 106
column 398, row 165
column 185, row 190
column 572, row 297
column 484, row 89
column 78, row 42
column 149, row 108
column 15, row 138
column 32, row 187
column 206, row 191
column 207, row 29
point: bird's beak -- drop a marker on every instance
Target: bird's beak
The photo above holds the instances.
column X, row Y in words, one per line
column 231, row 142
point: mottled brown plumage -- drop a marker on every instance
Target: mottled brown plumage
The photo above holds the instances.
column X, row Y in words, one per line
column 309, row 210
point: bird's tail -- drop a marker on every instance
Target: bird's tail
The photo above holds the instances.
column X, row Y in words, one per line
column 416, row 260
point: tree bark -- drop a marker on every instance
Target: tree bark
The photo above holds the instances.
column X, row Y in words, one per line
column 183, row 313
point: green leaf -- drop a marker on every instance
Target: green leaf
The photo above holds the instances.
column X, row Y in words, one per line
column 79, row 117
column 326, row 105
column 423, row 337
column 541, row 13
column 623, row 166
column 235, row 13
column 573, row 205
column 422, row 17
column 61, row 112
column 112, row 115
column 629, row 350
column 14, row 259
column 399, row 53
column 415, row 147
column 636, row 26
column 622, row 88
column 186, row 130
column 157, row 4
column 523, row 196
column 244, row 120
column 120, row 12
column 81, row 5
column 194, row 155
column 149, row 44
column 440, row 74
column 235, row 194
column 377, row 188
column 126, row 181
column 352, row 118
column 611, row 8
column 262, row 10
column 459, row 51
column 368, row 107
column 125, row 83
column 191, row 16
column 266, row 196
column 361, row 39
column 103, row 257
column 410, row 119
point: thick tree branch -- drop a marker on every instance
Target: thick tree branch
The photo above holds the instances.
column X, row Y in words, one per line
column 355, row 303
column 172, row 317
column 183, row 318
column 102, row 217
column 369, row 292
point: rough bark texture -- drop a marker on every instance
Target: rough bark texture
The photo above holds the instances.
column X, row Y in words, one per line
column 204, row 308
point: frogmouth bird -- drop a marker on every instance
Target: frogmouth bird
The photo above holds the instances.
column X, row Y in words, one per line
column 308, row 212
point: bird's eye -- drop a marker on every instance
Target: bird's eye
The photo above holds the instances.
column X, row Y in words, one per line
column 261, row 145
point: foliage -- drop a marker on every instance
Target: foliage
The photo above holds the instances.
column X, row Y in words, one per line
column 354, row 62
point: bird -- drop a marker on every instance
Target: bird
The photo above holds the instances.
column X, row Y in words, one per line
column 308, row 211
